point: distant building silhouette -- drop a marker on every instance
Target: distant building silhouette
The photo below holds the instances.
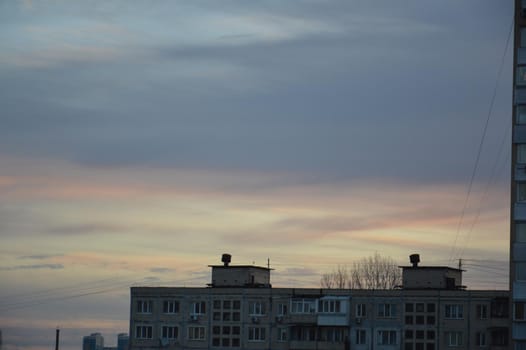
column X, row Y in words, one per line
column 122, row 341
column 95, row 341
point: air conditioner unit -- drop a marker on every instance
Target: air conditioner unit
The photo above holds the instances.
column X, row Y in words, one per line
column 194, row 318
column 255, row 320
column 358, row 320
column 279, row 319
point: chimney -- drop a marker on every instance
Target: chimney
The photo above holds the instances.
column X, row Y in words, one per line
column 414, row 259
column 226, row 258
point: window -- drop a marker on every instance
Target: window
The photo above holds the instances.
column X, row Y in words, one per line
column 198, row 308
column 170, row 332
column 454, row 311
column 430, row 307
column 303, row 306
column 144, row 306
column 227, row 304
column 282, row 309
column 519, row 311
column 482, row 311
column 361, row 310
column 520, row 271
column 329, row 306
column 409, row 307
column 430, row 335
column 420, row 307
column 499, row 308
column 521, row 114
column 430, row 320
column 521, row 153
column 386, row 337
column 256, row 334
column 419, row 319
column 521, row 76
column 520, row 232
column 332, row 334
column 409, row 319
column 361, row 337
column 256, row 308
column 521, row 192
column 196, row 333
column 282, row 334
column 480, row 339
column 419, row 334
column 170, row 306
column 408, row 334
column 143, row 332
column 386, row 310
column 454, row 339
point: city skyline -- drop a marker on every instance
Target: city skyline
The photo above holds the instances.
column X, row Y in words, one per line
column 138, row 142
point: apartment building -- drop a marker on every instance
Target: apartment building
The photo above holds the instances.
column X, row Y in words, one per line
column 518, row 181
column 239, row 309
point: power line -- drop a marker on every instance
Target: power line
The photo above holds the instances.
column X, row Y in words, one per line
column 479, row 152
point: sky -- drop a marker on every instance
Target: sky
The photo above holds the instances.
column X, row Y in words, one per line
column 141, row 140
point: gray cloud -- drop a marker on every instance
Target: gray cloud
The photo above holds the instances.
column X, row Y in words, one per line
column 40, row 256
column 354, row 103
column 162, row 270
column 88, row 228
column 33, row 267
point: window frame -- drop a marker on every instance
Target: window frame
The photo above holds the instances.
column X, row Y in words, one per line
column 386, row 310
column 257, row 308
column 454, row 339
column 144, row 306
column 360, row 336
column 361, row 310
column 481, row 310
column 198, row 308
column 303, row 306
column 196, row 333
column 143, row 331
column 454, row 311
column 256, row 334
column 171, row 306
column 387, row 334
column 166, row 329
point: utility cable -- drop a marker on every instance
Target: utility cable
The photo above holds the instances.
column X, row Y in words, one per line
column 479, row 152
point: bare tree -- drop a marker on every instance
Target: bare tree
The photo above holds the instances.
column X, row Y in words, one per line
column 338, row 278
column 373, row 272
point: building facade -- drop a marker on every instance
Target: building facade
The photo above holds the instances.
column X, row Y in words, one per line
column 518, row 182
column 431, row 311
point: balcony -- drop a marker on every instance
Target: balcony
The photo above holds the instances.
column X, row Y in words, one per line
column 333, row 320
column 316, row 345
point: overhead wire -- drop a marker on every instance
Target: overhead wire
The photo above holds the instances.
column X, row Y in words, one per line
column 479, row 151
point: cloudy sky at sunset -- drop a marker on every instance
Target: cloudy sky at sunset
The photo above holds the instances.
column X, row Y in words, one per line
column 141, row 140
